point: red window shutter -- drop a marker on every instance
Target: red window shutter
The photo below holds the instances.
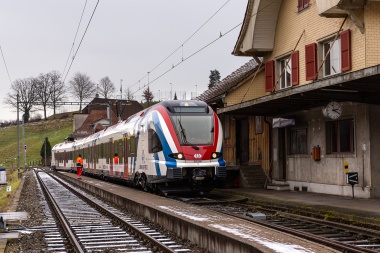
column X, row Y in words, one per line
column 345, row 50
column 295, row 68
column 269, row 76
column 302, row 4
column 311, row 61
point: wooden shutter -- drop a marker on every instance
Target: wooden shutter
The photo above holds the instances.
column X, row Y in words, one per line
column 269, row 76
column 302, row 4
column 345, row 50
column 311, row 61
column 295, row 68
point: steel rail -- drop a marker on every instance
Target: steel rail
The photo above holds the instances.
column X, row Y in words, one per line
column 347, row 248
column 74, row 242
column 162, row 247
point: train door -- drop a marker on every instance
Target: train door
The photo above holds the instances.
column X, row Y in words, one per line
column 91, row 158
column 64, row 159
column 125, row 157
column 110, row 156
column 132, row 154
column 95, row 158
column 242, row 141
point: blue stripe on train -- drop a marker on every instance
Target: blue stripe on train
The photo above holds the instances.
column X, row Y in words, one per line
column 170, row 162
column 157, row 164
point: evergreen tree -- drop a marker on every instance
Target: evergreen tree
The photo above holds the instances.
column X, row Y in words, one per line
column 148, row 95
column 214, row 78
column 175, row 96
column 48, row 151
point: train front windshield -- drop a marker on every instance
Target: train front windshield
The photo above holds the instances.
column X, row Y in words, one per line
column 194, row 129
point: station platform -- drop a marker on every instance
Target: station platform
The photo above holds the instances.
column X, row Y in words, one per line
column 216, row 232
column 354, row 208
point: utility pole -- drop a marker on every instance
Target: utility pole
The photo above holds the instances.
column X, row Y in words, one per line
column 148, row 89
column 23, row 139
column 18, row 139
column 45, row 150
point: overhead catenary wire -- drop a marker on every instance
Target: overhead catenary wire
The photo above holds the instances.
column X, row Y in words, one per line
column 199, row 50
column 181, row 46
column 6, row 68
column 80, row 43
column 75, row 37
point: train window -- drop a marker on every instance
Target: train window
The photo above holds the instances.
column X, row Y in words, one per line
column 120, row 150
column 101, row 150
column 154, row 143
column 189, row 132
column 189, row 109
column 132, row 146
column 107, row 152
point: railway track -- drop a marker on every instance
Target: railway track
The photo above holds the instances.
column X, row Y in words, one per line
column 90, row 225
column 342, row 237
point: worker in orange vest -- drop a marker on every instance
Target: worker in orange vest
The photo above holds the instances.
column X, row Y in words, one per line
column 79, row 166
column 116, row 158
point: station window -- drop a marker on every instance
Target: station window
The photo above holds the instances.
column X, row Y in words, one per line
column 298, row 141
column 336, row 54
column 340, row 136
column 284, row 70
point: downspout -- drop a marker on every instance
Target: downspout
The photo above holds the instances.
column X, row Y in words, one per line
column 269, row 176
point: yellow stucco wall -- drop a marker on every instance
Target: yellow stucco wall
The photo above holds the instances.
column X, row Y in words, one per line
column 365, row 48
column 291, row 25
column 250, row 89
column 372, row 26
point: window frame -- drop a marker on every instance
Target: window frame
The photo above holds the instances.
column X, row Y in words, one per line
column 333, row 59
column 286, row 77
column 298, row 147
column 333, row 136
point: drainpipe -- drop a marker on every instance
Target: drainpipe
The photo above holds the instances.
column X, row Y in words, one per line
column 270, row 149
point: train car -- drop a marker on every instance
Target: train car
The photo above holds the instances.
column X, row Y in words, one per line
column 170, row 147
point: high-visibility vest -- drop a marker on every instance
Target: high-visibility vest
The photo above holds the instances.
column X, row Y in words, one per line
column 79, row 162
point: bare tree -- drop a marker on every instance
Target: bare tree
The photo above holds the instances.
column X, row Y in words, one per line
column 25, row 89
column 106, row 87
column 43, row 91
column 49, row 90
column 128, row 94
column 81, row 87
column 148, row 95
column 59, row 91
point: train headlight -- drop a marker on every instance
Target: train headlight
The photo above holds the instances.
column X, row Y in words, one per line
column 215, row 155
column 178, row 156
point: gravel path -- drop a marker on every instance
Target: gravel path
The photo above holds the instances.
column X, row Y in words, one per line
column 29, row 202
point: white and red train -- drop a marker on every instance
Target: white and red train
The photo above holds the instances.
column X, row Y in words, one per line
column 172, row 146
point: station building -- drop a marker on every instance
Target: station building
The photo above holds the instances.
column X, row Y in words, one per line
column 305, row 108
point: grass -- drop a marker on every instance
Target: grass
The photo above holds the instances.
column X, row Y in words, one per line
column 56, row 130
column 13, row 182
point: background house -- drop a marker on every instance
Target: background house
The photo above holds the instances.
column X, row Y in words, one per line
column 101, row 113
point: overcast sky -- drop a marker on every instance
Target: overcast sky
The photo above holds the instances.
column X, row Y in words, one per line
column 125, row 40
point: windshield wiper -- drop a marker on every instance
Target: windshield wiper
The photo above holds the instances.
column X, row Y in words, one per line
column 183, row 135
column 184, row 139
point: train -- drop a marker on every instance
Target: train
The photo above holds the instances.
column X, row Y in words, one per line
column 171, row 147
